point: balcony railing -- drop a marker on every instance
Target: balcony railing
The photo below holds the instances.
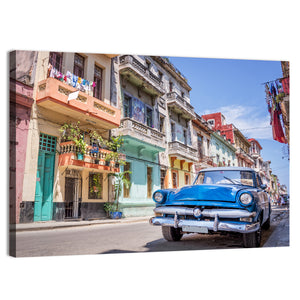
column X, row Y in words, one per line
column 244, row 154
column 141, row 131
column 175, row 100
column 179, row 149
column 53, row 95
column 94, row 159
column 142, row 72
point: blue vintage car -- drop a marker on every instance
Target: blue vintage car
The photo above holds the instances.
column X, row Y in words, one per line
column 225, row 199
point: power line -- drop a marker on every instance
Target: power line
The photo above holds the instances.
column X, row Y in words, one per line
column 255, row 128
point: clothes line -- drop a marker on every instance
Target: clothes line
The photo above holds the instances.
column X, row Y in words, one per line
column 274, row 80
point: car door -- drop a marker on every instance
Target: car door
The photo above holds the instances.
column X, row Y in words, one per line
column 263, row 199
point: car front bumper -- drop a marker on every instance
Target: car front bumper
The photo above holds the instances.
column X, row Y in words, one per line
column 215, row 225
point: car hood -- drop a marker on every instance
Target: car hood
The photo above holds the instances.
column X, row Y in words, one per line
column 225, row 193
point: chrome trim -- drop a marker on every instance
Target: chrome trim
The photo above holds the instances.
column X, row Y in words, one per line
column 222, row 213
column 172, row 210
column 215, row 225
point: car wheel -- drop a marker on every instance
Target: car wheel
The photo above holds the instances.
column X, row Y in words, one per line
column 171, row 233
column 252, row 239
column 267, row 224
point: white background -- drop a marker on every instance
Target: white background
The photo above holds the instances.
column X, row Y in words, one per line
column 267, row 30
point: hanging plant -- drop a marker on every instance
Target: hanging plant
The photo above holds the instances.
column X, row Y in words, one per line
column 94, row 135
column 72, row 132
column 96, row 185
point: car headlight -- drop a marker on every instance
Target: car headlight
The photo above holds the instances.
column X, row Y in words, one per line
column 158, row 197
column 197, row 212
column 246, row 198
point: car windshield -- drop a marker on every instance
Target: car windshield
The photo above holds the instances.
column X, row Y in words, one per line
column 225, row 177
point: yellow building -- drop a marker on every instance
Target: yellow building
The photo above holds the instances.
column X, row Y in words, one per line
column 58, row 182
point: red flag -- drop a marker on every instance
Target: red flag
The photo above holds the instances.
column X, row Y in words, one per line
column 278, row 134
column 286, row 85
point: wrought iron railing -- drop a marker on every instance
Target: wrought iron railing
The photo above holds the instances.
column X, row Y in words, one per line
column 141, row 67
column 174, row 96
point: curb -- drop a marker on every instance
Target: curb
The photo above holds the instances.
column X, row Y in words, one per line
column 48, row 226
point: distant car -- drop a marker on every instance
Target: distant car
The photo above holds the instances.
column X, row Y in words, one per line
column 225, row 199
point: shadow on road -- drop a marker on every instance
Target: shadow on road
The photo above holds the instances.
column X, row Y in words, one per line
column 118, row 251
column 197, row 242
column 191, row 242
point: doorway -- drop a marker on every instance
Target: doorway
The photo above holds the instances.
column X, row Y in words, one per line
column 72, row 198
column 43, row 202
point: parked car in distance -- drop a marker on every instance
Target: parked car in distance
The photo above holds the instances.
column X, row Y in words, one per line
column 223, row 199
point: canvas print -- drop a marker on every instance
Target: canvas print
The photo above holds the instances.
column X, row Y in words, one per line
column 122, row 153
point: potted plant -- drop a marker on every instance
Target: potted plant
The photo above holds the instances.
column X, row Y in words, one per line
column 114, row 145
column 71, row 132
column 81, row 147
column 96, row 160
column 120, row 180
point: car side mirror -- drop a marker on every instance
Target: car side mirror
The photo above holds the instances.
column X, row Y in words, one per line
column 263, row 186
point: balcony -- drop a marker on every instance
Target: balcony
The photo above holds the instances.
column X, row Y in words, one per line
column 244, row 155
column 138, row 74
column 181, row 150
column 52, row 95
column 142, row 132
column 180, row 106
column 91, row 160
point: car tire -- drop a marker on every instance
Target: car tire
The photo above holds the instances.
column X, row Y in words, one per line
column 252, row 239
column 171, row 233
column 267, row 224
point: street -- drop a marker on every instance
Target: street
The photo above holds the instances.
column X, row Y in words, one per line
column 136, row 237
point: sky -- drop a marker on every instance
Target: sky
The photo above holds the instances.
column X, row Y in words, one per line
column 236, row 89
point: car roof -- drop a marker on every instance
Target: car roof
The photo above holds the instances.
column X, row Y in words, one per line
column 227, row 169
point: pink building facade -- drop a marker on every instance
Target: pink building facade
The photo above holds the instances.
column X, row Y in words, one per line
column 21, row 100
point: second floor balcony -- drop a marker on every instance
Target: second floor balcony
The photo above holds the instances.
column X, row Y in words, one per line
column 244, row 155
column 142, row 132
column 53, row 95
column 92, row 159
column 180, row 106
column 138, row 74
column 184, row 151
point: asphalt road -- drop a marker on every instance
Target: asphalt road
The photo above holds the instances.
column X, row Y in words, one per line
column 136, row 237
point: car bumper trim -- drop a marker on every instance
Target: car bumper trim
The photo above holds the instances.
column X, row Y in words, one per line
column 215, row 225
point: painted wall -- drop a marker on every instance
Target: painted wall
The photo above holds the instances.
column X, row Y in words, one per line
column 181, row 169
column 220, row 147
column 138, row 204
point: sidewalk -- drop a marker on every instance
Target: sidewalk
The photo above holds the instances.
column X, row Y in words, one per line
column 65, row 224
column 280, row 237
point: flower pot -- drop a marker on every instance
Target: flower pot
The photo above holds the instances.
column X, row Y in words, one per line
column 79, row 156
column 115, row 214
column 107, row 163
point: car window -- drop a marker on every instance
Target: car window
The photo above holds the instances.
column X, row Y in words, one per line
column 199, row 179
column 225, row 177
column 259, row 182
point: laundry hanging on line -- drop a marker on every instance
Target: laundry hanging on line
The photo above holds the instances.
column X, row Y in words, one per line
column 71, row 79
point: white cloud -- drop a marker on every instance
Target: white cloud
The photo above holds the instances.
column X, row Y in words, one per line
column 248, row 119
